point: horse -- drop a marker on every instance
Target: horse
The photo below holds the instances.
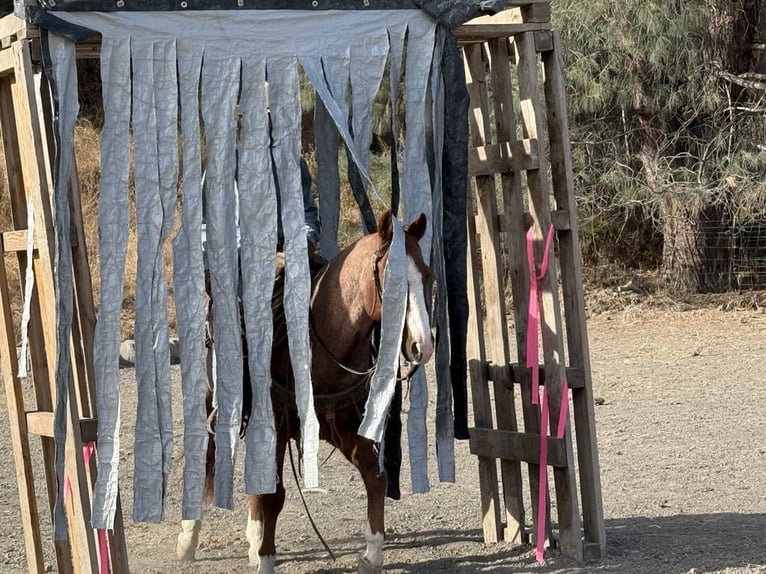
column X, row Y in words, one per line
column 345, row 314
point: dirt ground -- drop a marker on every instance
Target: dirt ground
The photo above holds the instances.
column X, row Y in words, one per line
column 682, row 439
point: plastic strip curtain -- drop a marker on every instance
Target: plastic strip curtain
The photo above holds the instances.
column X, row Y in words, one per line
column 222, row 54
column 113, row 227
column 415, row 178
column 445, row 430
column 64, row 81
column 189, row 284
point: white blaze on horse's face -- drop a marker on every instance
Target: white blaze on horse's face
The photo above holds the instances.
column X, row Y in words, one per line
column 418, row 343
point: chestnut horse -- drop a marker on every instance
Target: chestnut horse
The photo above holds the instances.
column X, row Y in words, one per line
column 345, row 313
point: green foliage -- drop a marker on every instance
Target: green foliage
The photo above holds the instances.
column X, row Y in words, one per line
column 652, row 115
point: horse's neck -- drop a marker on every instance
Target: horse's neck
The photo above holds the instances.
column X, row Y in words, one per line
column 339, row 316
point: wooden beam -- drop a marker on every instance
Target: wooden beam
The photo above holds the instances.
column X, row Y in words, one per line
column 485, row 32
column 18, row 429
column 491, row 159
column 574, row 300
column 13, row 241
column 515, row 374
column 41, row 424
column 516, row 446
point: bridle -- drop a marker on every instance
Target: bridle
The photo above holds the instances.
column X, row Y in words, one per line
column 380, row 252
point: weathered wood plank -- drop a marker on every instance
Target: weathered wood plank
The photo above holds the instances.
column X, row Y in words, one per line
column 552, row 331
column 18, row 429
column 499, row 158
column 41, row 423
column 516, row 446
column 574, row 301
column 482, row 405
column 14, row 241
column 516, row 374
column 485, row 32
column 512, row 221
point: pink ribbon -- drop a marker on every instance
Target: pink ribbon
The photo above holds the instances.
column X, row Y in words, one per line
column 103, row 546
column 533, row 362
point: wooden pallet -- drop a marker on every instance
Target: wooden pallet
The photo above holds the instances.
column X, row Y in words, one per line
column 517, row 114
column 25, row 120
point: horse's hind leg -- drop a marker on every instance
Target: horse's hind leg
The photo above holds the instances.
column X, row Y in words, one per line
column 262, row 513
column 362, row 454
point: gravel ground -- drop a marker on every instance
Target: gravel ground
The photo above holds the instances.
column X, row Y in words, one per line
column 682, row 439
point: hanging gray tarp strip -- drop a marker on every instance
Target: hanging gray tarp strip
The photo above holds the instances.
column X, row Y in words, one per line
column 62, row 53
column 416, row 199
column 445, row 434
column 396, row 35
column 319, row 75
column 455, row 232
column 220, row 88
column 148, row 482
column 328, row 179
column 113, row 240
column 394, row 307
column 284, row 99
column 189, row 286
column 366, row 76
column 166, row 103
column 258, row 227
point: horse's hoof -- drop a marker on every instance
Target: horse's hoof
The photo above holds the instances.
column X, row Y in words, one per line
column 364, row 567
column 186, row 548
column 264, row 564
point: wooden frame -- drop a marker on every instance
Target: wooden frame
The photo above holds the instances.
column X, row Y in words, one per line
column 515, row 57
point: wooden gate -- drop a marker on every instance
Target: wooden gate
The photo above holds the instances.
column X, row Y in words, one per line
column 521, row 178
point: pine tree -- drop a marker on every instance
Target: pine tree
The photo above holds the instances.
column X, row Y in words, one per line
column 663, row 129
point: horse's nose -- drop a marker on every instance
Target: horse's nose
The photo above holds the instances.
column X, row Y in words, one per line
column 414, row 352
column 420, row 352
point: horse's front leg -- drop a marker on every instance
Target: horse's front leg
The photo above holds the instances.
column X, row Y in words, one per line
column 262, row 513
column 188, row 539
column 364, row 456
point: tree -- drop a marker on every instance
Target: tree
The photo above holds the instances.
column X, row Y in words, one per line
column 665, row 138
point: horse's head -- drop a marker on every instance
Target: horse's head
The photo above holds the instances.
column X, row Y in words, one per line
column 417, row 340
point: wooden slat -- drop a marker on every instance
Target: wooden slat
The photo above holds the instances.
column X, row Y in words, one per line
column 515, row 374
column 574, row 301
column 494, row 291
column 11, row 241
column 490, row 159
column 41, row 424
column 11, row 25
column 552, row 335
column 18, row 429
column 485, row 32
column 516, row 446
column 512, row 219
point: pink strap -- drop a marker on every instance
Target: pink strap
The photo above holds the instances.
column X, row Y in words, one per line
column 533, row 363
column 535, row 307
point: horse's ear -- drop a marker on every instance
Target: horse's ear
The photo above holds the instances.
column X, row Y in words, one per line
column 417, row 228
column 386, row 225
